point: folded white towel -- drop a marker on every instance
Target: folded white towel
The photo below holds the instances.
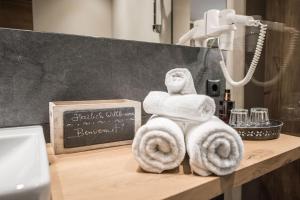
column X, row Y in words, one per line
column 190, row 107
column 213, row 146
column 180, row 81
column 159, row 145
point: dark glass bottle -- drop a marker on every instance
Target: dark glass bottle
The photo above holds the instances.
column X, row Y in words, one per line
column 226, row 106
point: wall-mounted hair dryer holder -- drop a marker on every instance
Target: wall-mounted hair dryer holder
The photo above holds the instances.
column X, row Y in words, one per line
column 222, row 25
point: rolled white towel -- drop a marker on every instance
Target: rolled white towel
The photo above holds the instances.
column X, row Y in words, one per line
column 213, row 147
column 159, row 145
column 180, row 81
column 190, row 107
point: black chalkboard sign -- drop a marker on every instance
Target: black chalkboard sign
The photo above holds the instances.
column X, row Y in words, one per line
column 89, row 127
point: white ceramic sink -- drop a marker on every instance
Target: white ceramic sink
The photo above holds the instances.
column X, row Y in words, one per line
column 24, row 168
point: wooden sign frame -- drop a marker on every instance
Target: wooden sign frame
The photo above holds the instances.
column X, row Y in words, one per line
column 56, row 116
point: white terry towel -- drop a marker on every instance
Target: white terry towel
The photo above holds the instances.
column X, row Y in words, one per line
column 159, row 145
column 180, row 81
column 213, row 147
column 190, row 107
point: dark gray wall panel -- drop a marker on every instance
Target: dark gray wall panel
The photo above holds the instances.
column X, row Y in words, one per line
column 36, row 68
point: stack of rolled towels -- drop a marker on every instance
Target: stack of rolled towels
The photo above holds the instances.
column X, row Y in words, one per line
column 183, row 122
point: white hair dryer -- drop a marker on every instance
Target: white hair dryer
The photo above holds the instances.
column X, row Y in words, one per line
column 221, row 25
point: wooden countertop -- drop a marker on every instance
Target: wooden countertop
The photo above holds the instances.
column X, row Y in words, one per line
column 113, row 173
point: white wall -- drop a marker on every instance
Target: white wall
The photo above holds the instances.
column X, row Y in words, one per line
column 236, row 58
column 121, row 19
column 80, row 17
column 198, row 7
column 181, row 18
column 133, row 20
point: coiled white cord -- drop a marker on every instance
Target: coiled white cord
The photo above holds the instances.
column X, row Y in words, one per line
column 254, row 62
column 284, row 66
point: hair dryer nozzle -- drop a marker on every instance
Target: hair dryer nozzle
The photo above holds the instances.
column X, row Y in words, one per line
column 243, row 20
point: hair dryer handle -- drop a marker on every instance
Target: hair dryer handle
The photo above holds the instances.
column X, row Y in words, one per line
column 226, row 41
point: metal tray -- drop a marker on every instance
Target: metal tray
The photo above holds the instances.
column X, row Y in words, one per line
column 268, row 132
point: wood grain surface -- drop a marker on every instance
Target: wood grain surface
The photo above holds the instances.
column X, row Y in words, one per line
column 113, row 173
column 16, row 14
column 282, row 98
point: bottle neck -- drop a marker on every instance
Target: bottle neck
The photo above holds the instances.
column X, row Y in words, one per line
column 227, row 96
